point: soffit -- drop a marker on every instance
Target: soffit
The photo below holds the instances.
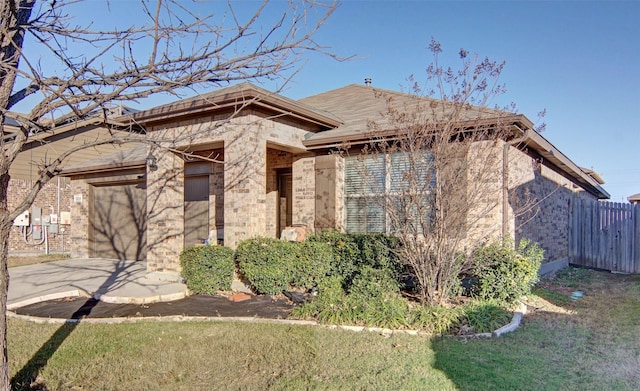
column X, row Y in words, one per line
column 235, row 98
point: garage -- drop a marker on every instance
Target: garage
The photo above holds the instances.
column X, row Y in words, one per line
column 117, row 221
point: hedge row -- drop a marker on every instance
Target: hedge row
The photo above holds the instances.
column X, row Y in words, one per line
column 364, row 265
column 271, row 265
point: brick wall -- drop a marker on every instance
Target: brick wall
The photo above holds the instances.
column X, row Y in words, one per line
column 539, row 201
column 304, row 191
column 329, row 192
column 483, row 189
column 80, row 219
column 165, row 213
column 216, row 192
column 54, row 198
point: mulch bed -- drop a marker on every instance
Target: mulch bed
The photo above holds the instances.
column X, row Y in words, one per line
column 269, row 307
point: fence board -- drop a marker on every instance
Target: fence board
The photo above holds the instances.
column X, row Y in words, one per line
column 605, row 235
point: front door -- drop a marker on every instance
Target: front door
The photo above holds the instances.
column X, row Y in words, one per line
column 196, row 210
column 285, row 194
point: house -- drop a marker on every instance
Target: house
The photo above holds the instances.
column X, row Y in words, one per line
column 634, row 199
column 54, row 200
column 243, row 162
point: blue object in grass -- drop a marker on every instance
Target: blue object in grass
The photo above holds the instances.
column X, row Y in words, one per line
column 577, row 295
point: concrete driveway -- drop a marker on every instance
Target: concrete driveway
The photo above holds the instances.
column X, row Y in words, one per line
column 111, row 281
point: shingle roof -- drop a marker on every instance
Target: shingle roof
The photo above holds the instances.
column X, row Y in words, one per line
column 357, row 106
column 237, row 96
column 124, row 158
column 634, row 198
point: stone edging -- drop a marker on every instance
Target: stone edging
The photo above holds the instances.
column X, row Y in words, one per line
column 512, row 326
column 39, row 299
column 102, row 297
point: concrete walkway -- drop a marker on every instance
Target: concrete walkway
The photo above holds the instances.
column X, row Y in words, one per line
column 109, row 280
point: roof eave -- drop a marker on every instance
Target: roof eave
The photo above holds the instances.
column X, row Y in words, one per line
column 104, row 168
column 246, row 96
column 91, row 122
column 355, row 138
column 545, row 149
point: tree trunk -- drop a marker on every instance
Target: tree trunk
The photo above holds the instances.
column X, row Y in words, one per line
column 14, row 15
column 5, row 227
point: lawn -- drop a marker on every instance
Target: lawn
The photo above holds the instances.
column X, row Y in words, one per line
column 588, row 344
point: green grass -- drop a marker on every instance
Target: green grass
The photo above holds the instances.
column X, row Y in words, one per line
column 588, row 344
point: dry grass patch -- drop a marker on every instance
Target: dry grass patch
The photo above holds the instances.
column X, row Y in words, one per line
column 31, row 259
column 230, row 356
column 588, row 344
column 609, row 312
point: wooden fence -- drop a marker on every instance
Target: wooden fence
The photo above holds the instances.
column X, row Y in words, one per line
column 605, row 235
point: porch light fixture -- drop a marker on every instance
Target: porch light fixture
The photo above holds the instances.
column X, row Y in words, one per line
column 152, row 162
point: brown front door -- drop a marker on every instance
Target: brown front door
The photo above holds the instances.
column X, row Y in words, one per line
column 196, row 210
column 285, row 193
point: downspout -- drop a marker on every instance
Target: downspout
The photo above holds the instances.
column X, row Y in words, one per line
column 58, row 195
column 505, row 179
column 505, row 188
column 61, row 233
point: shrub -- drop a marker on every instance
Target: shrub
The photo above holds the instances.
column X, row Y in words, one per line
column 329, row 306
column 265, row 263
column 207, row 269
column 375, row 298
column 435, row 319
column 378, row 251
column 505, row 273
column 273, row 265
column 311, row 263
column 346, row 253
column 352, row 252
column 485, row 316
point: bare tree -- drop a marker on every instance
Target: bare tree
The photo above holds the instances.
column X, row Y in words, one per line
column 433, row 166
column 83, row 69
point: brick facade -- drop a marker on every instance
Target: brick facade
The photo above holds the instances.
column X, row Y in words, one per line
column 243, row 192
column 80, row 223
column 165, row 212
column 304, row 191
column 539, row 204
column 329, row 192
column 54, row 198
column 512, row 193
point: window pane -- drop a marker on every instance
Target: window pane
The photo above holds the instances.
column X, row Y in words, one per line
column 411, row 171
column 364, row 174
column 364, row 214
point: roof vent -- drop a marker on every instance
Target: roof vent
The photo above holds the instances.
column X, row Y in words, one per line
column 367, row 81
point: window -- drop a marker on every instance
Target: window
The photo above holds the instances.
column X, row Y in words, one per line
column 384, row 191
column 364, row 189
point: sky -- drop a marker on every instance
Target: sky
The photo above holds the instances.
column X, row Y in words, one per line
column 578, row 60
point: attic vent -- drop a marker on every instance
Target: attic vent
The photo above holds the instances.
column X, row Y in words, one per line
column 367, row 81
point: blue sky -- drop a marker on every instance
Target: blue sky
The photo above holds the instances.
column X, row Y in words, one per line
column 578, row 60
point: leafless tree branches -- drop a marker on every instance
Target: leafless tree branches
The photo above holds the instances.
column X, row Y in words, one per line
column 62, row 67
column 443, row 179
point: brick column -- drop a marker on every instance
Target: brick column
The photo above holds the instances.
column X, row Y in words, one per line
column 165, row 213
column 329, row 200
column 245, row 188
column 80, row 191
column 304, row 190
